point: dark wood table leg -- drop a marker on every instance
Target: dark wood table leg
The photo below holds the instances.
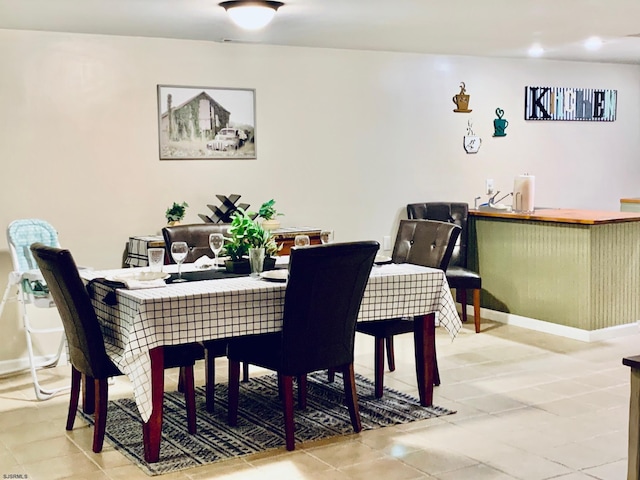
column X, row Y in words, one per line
column 152, row 429
column 424, row 335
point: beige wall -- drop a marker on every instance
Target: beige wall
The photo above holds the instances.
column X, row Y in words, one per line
column 344, row 138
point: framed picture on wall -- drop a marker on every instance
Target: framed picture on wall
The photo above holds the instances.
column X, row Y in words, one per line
column 206, row 123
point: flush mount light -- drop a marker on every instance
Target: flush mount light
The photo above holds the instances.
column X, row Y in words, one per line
column 251, row 14
column 593, row 43
column 535, row 50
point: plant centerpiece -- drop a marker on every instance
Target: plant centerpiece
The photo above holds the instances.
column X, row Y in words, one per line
column 175, row 213
column 246, row 233
column 268, row 213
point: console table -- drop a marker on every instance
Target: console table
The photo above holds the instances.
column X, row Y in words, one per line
column 138, row 245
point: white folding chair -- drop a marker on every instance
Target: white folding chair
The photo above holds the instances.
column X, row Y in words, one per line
column 29, row 287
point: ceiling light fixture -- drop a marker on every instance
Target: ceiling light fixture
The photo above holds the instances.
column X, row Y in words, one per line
column 536, row 50
column 593, row 43
column 251, row 14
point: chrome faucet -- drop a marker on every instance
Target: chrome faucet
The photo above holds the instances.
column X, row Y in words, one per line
column 475, row 202
column 492, row 198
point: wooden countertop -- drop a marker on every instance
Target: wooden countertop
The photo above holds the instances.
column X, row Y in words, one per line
column 565, row 215
column 630, row 200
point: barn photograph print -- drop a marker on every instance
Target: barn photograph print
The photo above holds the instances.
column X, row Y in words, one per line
column 204, row 123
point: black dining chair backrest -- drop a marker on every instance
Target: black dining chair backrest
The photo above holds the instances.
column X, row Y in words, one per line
column 197, row 238
column 322, row 301
column 425, row 242
column 86, row 343
column 452, row 212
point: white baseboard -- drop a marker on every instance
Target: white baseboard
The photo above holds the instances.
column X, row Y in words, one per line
column 555, row 329
column 16, row 365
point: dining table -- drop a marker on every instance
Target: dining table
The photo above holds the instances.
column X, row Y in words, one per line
column 138, row 322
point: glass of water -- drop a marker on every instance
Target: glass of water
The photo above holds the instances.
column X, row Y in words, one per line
column 301, row 241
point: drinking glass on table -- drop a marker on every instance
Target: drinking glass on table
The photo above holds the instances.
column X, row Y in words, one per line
column 179, row 251
column 301, row 241
column 216, row 242
column 155, row 257
column 326, row 236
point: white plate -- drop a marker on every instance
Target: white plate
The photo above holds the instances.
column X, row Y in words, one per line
column 138, row 276
column 382, row 260
column 279, row 275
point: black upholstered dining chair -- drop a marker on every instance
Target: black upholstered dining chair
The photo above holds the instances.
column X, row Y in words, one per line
column 88, row 357
column 322, row 300
column 459, row 276
column 421, row 242
column 197, row 238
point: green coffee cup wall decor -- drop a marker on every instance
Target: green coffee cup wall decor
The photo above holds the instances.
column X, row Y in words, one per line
column 500, row 124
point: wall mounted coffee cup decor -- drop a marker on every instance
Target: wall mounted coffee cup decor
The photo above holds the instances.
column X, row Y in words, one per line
column 461, row 100
column 500, row 124
column 471, row 142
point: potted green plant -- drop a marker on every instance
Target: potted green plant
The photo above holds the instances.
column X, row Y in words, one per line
column 175, row 213
column 245, row 234
column 268, row 212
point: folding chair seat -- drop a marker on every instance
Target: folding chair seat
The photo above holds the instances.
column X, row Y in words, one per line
column 28, row 287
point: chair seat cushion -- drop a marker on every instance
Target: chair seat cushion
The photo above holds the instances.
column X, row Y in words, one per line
column 262, row 350
column 459, row 277
column 182, row 355
column 217, row 348
column 386, row 328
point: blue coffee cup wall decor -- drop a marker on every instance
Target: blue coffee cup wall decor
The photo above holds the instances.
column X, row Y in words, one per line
column 500, row 124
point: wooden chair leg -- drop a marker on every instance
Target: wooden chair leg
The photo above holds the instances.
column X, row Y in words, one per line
column 289, row 428
column 245, row 372
column 351, row 396
column 190, row 398
column 100, row 418
column 436, row 371
column 88, row 395
column 391, row 356
column 234, row 392
column 331, row 375
column 476, row 309
column 210, row 380
column 461, row 293
column 181, row 380
column 379, row 366
column 74, row 397
column 302, row 392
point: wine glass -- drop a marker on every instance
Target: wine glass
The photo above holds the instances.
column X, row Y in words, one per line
column 179, row 251
column 301, row 241
column 216, row 242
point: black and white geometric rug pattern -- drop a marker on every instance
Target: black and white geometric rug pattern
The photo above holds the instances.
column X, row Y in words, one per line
column 260, row 421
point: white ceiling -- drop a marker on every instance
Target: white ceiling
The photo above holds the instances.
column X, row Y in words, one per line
column 496, row 28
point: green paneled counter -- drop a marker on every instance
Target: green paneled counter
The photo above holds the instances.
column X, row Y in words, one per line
column 574, row 268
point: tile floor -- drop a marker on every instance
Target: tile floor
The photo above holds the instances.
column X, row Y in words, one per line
column 531, row 406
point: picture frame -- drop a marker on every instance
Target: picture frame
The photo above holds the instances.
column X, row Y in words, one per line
column 206, row 123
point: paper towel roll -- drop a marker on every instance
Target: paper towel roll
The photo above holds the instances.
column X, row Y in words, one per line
column 523, row 193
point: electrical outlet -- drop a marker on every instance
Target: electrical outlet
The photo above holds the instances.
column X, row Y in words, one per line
column 386, row 243
column 489, row 186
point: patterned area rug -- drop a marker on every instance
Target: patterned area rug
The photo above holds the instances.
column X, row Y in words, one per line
column 260, row 423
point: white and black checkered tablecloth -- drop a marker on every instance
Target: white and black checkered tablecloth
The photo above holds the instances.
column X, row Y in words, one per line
column 196, row 311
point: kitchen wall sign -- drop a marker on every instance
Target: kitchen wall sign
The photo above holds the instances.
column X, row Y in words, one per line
column 574, row 104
